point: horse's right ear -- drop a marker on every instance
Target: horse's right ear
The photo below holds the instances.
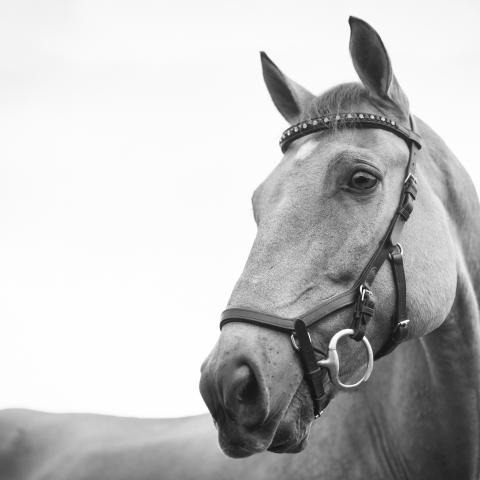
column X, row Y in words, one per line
column 289, row 97
column 372, row 63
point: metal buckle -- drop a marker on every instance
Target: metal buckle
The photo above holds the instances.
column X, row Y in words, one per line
column 364, row 291
column 400, row 248
column 411, row 177
column 318, row 415
column 294, row 341
column 403, row 323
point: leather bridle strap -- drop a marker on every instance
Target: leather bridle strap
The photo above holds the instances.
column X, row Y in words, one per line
column 359, row 295
column 399, row 319
column 314, row 374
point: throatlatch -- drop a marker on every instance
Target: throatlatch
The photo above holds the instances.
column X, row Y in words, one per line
column 360, row 295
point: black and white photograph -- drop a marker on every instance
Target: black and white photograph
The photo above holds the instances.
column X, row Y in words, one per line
column 239, row 240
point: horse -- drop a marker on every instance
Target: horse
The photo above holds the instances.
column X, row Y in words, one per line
column 328, row 217
column 320, row 216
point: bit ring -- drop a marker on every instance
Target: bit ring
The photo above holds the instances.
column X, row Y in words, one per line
column 332, row 362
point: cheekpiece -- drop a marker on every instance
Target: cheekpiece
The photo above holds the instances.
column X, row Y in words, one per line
column 345, row 120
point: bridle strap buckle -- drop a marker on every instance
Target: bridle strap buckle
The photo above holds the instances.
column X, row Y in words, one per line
column 293, row 340
column 411, row 178
column 362, row 313
column 401, row 331
column 399, row 251
column 364, row 291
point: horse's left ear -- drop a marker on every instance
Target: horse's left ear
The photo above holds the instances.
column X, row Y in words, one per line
column 372, row 63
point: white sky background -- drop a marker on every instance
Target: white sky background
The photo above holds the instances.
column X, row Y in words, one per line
column 125, row 183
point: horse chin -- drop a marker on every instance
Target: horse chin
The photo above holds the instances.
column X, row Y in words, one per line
column 293, row 431
column 289, row 434
column 238, row 450
column 238, row 442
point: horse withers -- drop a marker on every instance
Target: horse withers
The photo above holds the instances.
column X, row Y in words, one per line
column 323, row 216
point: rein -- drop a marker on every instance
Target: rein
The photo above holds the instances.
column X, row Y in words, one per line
column 360, row 294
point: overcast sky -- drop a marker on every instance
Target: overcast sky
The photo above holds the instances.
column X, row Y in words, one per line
column 132, row 134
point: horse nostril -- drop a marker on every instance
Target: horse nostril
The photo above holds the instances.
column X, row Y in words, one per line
column 248, row 393
column 244, row 385
column 244, row 397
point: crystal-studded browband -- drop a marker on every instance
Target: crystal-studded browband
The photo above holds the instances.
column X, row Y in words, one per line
column 345, row 120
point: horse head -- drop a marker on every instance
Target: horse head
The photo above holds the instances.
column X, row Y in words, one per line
column 321, row 214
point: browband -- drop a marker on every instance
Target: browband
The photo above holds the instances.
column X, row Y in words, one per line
column 346, row 120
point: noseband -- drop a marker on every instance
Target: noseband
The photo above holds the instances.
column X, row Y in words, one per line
column 360, row 294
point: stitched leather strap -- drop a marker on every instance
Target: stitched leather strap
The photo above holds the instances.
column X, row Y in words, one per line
column 313, row 373
column 254, row 317
column 400, row 321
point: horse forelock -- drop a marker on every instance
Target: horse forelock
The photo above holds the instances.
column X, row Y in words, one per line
column 347, row 97
column 340, row 98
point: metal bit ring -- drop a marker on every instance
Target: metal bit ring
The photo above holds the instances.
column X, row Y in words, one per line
column 332, row 362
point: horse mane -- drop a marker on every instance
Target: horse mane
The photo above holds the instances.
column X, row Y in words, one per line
column 340, row 98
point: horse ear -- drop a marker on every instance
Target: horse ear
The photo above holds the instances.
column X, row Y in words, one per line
column 371, row 61
column 289, row 97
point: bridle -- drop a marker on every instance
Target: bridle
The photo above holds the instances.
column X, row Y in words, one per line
column 360, row 294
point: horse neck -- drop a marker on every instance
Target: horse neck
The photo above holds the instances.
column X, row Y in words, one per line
column 426, row 396
column 431, row 386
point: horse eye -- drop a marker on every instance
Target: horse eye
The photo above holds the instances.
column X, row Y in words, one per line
column 362, row 180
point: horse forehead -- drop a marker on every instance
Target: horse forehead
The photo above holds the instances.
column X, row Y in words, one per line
column 307, row 160
column 305, row 149
column 322, row 146
column 303, row 164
